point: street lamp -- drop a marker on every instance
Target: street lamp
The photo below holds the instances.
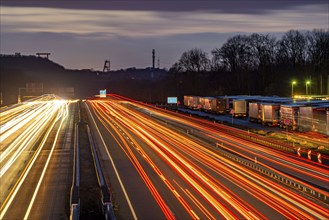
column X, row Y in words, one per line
column 307, row 83
column 292, row 88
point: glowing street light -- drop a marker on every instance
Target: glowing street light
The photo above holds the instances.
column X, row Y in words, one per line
column 308, row 82
column 292, row 88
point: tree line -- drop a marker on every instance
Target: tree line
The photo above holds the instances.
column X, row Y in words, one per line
column 257, row 64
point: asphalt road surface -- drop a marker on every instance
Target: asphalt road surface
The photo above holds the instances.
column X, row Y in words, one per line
column 156, row 169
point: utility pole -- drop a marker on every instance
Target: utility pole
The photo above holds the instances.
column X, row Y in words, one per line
column 153, row 58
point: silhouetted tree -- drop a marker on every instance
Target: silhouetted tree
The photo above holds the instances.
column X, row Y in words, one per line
column 263, row 49
column 194, row 60
column 234, row 55
column 292, row 49
column 318, row 48
column 318, row 58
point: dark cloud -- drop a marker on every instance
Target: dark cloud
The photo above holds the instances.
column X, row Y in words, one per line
column 223, row 6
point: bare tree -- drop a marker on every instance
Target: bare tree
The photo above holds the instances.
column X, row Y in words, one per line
column 263, row 50
column 318, row 48
column 292, row 49
column 318, row 58
column 235, row 56
column 194, row 60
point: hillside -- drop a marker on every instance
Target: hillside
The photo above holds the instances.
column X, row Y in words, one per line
column 17, row 71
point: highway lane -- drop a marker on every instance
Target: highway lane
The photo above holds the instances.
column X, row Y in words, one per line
column 198, row 179
column 53, row 197
column 132, row 198
column 18, row 148
column 23, row 178
column 315, row 174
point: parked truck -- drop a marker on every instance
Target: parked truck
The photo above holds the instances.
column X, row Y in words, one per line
column 239, row 108
column 192, row 102
column 255, row 112
column 186, row 101
column 320, row 120
column 270, row 114
column 289, row 114
column 208, row 102
column 305, row 121
column 220, row 106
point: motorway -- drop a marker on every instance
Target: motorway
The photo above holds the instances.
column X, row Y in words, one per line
column 164, row 165
column 158, row 164
column 36, row 165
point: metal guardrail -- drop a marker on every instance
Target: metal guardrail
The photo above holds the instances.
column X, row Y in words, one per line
column 274, row 175
column 108, row 210
column 74, row 197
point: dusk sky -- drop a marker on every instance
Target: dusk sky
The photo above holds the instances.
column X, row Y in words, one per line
column 82, row 34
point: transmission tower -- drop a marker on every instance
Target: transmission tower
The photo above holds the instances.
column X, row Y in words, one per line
column 107, row 66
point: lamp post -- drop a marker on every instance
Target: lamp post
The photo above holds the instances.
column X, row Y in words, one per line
column 292, row 88
column 19, row 95
column 307, row 83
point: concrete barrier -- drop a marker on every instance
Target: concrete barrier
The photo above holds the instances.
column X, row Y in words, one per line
column 74, row 195
column 106, row 196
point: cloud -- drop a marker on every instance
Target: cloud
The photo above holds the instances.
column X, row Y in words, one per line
column 126, row 34
column 136, row 24
column 222, row 6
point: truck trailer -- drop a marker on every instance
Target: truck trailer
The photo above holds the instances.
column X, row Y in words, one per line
column 270, row 114
column 255, row 112
column 239, row 108
column 289, row 114
column 320, row 120
column 305, row 121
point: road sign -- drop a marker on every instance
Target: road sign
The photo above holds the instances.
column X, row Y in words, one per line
column 172, row 100
column 298, row 151
column 319, row 158
column 102, row 93
column 309, row 154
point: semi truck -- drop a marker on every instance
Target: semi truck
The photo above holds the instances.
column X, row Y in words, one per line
column 208, row 102
column 239, row 108
column 192, row 102
column 186, row 101
column 320, row 119
column 214, row 105
column 289, row 114
column 255, row 112
column 305, row 121
column 314, row 118
column 270, row 114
